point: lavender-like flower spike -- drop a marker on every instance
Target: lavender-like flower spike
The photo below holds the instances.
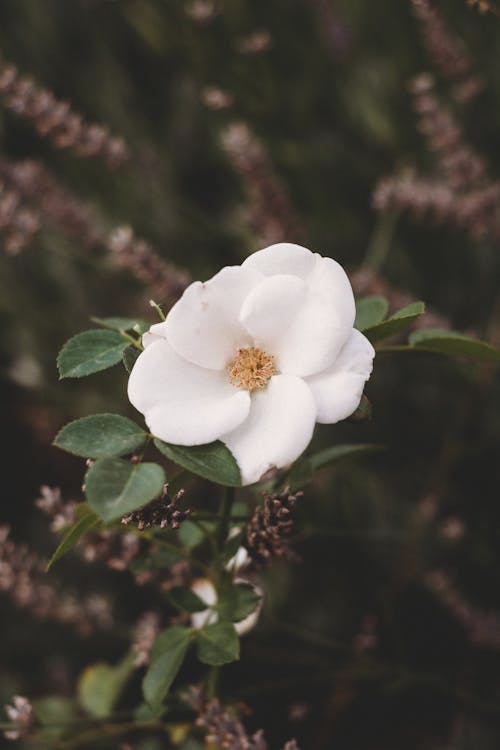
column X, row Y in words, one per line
column 54, row 119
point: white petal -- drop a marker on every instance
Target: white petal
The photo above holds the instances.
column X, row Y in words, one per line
column 284, row 257
column 329, row 282
column 268, row 309
column 156, row 332
column 322, row 325
column 311, row 341
column 337, row 391
column 203, row 325
column 181, row 402
column 205, row 589
column 278, row 429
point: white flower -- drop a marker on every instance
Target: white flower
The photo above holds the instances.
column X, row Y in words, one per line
column 205, row 590
column 254, row 357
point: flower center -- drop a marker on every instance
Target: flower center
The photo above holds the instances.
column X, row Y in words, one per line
column 251, row 369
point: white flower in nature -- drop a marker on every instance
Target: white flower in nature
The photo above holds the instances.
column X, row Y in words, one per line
column 205, row 590
column 254, row 357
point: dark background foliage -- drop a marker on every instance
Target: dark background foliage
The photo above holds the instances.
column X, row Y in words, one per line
column 387, row 633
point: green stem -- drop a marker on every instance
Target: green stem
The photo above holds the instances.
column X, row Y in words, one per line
column 225, row 517
column 212, row 682
column 381, row 239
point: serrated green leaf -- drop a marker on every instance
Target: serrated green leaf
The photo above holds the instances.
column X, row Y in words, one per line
column 85, row 524
column 370, row 311
column 454, row 344
column 89, row 352
column 212, row 461
column 304, row 469
column 123, row 324
column 218, row 644
column 168, row 654
column 396, row 323
column 101, row 685
column 237, row 602
column 101, row 436
column 114, row 487
column 130, row 356
column 186, row 600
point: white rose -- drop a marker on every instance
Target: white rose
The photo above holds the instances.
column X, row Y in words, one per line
column 254, row 357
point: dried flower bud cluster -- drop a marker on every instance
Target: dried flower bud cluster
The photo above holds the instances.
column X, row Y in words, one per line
column 20, row 713
column 266, row 534
column 270, row 211
column 223, row 728
column 164, row 280
column 165, row 512
column 447, row 51
column 22, row 577
column 144, row 636
column 55, row 120
column 18, row 223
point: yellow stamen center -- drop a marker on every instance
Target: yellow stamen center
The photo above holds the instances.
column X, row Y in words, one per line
column 251, row 369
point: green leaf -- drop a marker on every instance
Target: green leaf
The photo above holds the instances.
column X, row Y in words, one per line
column 168, row 654
column 454, row 344
column 212, row 461
column 123, row 324
column 396, row 323
column 218, row 644
column 370, row 311
column 114, row 487
column 101, row 685
column 129, row 358
column 186, row 600
column 85, row 523
column 304, row 469
column 101, row 436
column 90, row 351
column 237, row 602
column 190, row 534
column 56, row 715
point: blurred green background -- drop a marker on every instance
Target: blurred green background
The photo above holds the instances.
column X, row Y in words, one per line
column 361, row 646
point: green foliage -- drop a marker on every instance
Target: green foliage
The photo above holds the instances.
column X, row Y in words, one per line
column 303, row 470
column 186, row 600
column 370, row 311
column 396, row 323
column 454, row 344
column 190, row 534
column 218, row 644
column 86, row 522
column 55, row 715
column 101, row 436
column 114, row 487
column 168, row 654
column 237, row 602
column 122, row 324
column 89, row 352
column 212, row 461
column 129, row 357
column 100, row 686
